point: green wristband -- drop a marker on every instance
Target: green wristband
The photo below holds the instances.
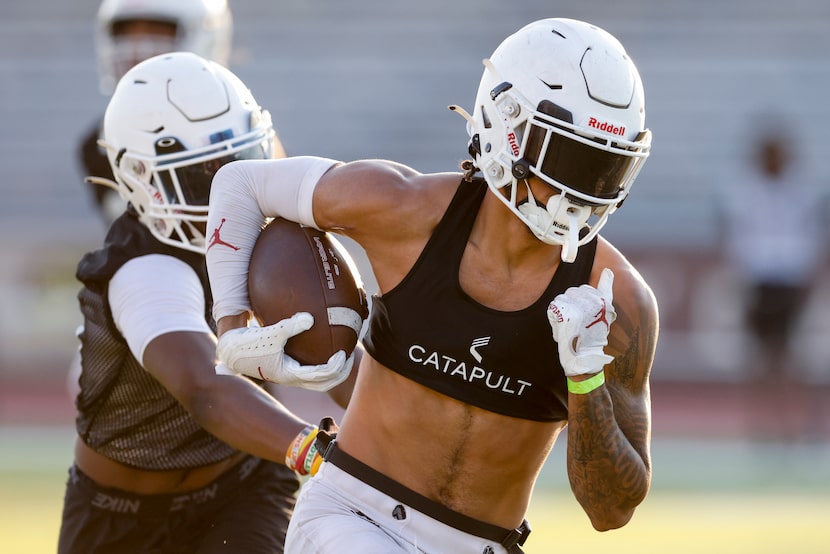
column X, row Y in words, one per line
column 586, row 386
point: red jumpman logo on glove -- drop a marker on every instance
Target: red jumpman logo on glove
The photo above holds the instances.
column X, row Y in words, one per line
column 216, row 239
column 600, row 317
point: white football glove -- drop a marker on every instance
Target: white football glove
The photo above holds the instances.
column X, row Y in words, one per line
column 259, row 352
column 581, row 318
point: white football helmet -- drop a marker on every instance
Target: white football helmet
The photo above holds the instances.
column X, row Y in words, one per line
column 204, row 27
column 560, row 100
column 172, row 121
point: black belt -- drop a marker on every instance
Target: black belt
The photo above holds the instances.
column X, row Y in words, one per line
column 511, row 539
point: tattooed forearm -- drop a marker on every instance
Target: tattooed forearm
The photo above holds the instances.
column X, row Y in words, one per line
column 609, row 477
column 609, row 428
column 628, row 387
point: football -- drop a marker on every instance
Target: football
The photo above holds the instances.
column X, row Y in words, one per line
column 295, row 268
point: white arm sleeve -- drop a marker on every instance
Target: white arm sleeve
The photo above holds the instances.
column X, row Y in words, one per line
column 153, row 295
column 243, row 194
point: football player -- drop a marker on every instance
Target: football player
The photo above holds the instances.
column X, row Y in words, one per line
column 170, row 455
column 502, row 315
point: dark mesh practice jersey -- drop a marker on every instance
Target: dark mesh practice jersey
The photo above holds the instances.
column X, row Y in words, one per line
column 123, row 412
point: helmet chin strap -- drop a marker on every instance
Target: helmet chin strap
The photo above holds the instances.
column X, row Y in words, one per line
column 548, row 225
column 571, row 245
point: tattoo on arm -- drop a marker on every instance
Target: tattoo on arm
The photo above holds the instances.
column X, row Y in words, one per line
column 608, row 438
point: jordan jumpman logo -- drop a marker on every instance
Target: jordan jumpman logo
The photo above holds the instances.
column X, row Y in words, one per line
column 600, row 316
column 216, row 239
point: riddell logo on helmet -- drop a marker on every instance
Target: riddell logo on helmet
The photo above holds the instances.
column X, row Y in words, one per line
column 514, row 146
column 605, row 126
column 512, row 139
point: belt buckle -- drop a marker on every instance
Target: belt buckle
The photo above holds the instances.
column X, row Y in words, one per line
column 517, row 536
column 325, row 444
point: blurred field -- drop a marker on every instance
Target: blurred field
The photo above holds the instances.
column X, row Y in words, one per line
column 670, row 522
column 691, row 522
column 707, row 497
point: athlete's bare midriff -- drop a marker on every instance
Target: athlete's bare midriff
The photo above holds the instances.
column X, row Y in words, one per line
column 475, row 462
column 109, row 473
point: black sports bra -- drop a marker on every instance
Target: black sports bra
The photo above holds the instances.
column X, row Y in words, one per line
column 430, row 331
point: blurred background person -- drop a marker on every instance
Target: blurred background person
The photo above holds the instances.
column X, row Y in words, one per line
column 775, row 234
column 130, row 31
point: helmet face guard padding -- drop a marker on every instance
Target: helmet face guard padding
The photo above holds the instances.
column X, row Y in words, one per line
column 172, row 122
column 561, row 101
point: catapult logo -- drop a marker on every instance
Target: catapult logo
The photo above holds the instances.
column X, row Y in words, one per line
column 472, row 373
column 478, row 343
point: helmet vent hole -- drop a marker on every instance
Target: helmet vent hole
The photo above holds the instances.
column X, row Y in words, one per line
column 486, row 118
column 168, row 145
column 551, row 86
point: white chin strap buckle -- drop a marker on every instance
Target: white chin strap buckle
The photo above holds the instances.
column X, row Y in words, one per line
column 558, row 223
